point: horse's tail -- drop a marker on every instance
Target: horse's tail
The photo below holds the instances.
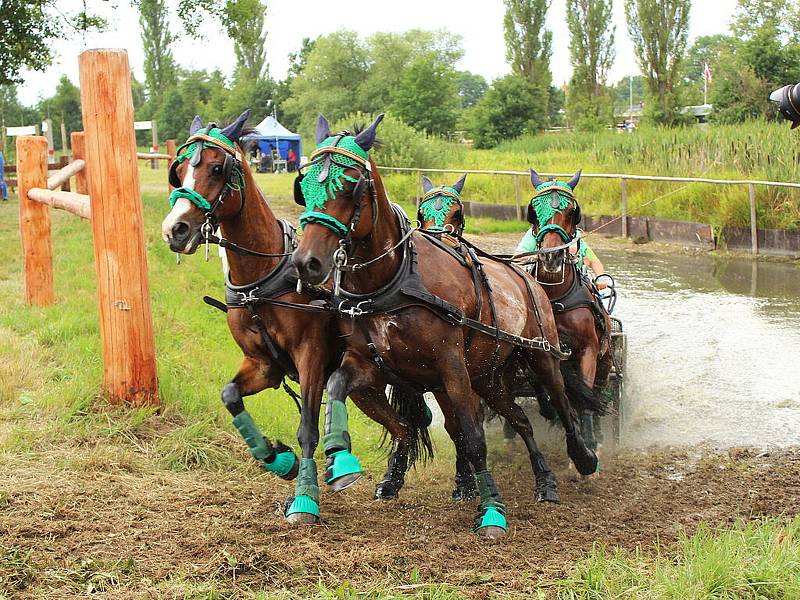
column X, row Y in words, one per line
column 580, row 395
column 410, row 405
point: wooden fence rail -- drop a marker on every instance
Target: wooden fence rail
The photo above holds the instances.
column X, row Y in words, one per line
column 623, row 178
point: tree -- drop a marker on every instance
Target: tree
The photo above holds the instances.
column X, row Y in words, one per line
column 659, row 30
column 706, row 50
column 64, row 107
column 159, row 65
column 426, row 97
column 504, row 112
column 471, row 88
column 244, row 21
column 591, row 50
column 621, row 93
column 27, row 28
column 330, row 81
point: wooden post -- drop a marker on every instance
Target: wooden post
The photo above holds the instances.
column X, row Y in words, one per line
column 78, row 143
column 126, row 323
column 753, row 219
column 624, row 212
column 154, row 147
column 51, row 148
column 517, row 198
column 64, row 147
column 34, row 221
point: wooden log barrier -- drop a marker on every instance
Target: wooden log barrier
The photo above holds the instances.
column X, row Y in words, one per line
column 77, row 204
column 123, row 291
column 34, row 221
column 62, row 176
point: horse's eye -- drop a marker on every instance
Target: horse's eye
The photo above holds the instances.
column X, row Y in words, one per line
column 216, row 170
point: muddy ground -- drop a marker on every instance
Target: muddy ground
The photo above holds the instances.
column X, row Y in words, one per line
column 97, row 515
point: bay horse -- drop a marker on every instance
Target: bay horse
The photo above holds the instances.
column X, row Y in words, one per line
column 440, row 208
column 214, row 186
column 404, row 317
column 583, row 325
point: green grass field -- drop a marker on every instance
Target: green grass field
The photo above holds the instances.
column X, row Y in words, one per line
column 52, row 413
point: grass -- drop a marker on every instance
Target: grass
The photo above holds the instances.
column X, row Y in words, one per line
column 50, row 373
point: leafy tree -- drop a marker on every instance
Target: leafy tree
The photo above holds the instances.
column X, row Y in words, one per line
column 157, row 37
column 330, row 81
column 27, row 28
column 426, row 96
column 529, row 46
column 738, row 92
column 659, row 30
column 555, row 106
column 63, row 107
column 591, row 50
column 244, row 22
column 706, row 50
column 621, row 92
column 471, row 88
column 504, row 112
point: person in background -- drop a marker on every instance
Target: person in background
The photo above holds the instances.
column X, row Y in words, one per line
column 291, row 160
column 3, row 186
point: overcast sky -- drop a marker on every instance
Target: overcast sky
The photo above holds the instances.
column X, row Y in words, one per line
column 479, row 22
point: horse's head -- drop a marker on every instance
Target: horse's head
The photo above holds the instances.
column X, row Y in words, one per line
column 206, row 173
column 337, row 190
column 554, row 215
column 441, row 208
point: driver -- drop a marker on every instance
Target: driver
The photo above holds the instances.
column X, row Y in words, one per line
column 588, row 259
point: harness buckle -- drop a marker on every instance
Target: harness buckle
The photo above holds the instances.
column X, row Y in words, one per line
column 247, row 298
column 353, row 311
column 206, row 229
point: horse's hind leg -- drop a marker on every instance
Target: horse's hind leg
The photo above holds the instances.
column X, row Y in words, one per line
column 490, row 521
column 465, row 478
column 503, row 403
column 548, row 369
column 254, row 376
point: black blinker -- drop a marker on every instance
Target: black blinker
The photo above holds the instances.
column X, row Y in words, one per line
column 298, row 191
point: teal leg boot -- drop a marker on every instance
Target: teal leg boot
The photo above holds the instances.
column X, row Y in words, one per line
column 303, row 507
column 343, row 468
column 490, row 522
column 278, row 459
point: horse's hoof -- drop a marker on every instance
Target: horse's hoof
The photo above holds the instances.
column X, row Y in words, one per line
column 491, row 532
column 343, row 482
column 387, row 490
column 584, row 459
column 464, row 494
column 302, row 510
column 548, row 495
column 343, row 470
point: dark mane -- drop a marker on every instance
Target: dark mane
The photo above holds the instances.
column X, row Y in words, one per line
column 359, row 127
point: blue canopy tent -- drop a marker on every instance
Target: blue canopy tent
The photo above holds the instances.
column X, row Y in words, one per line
column 271, row 134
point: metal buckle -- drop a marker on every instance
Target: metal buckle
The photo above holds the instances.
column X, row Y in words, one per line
column 247, row 298
column 206, row 229
column 354, row 311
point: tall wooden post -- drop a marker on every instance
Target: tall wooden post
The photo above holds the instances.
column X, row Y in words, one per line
column 154, row 147
column 126, row 324
column 420, row 189
column 34, row 221
column 624, row 188
column 78, row 143
column 753, row 219
column 64, row 147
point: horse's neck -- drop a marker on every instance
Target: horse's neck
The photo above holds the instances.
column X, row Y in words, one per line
column 384, row 235
column 255, row 228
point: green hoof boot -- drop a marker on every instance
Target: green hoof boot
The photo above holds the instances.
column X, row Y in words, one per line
column 285, row 465
column 491, row 524
column 303, row 510
column 343, row 470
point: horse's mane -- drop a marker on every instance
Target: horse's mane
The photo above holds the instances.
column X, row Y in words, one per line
column 359, row 127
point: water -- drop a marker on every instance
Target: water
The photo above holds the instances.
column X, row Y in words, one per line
column 713, row 350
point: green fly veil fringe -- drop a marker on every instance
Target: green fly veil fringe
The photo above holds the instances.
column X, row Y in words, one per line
column 430, row 212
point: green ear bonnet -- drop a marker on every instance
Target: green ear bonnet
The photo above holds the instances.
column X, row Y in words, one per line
column 551, row 197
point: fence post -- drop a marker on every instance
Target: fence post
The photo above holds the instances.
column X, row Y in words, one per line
column 624, row 212
column 518, row 197
column 154, row 147
column 753, row 221
column 78, row 143
column 34, row 221
column 126, row 323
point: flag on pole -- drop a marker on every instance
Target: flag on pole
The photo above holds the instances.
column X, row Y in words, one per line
column 706, row 72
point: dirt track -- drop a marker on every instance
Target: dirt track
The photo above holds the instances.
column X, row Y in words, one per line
column 223, row 528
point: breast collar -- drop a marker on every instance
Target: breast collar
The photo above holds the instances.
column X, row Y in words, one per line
column 576, row 296
column 281, row 280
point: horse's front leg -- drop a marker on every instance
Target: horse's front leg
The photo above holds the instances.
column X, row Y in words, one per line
column 590, row 425
column 303, row 507
column 253, row 377
column 465, row 478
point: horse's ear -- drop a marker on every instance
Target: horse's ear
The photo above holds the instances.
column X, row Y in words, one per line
column 366, row 138
column 459, row 185
column 323, row 128
column 427, row 184
column 535, row 179
column 197, row 125
column 234, row 130
column 573, row 183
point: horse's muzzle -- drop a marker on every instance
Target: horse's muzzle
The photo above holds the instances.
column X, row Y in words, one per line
column 310, row 269
column 182, row 239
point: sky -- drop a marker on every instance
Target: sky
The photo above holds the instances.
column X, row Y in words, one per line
column 479, row 22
